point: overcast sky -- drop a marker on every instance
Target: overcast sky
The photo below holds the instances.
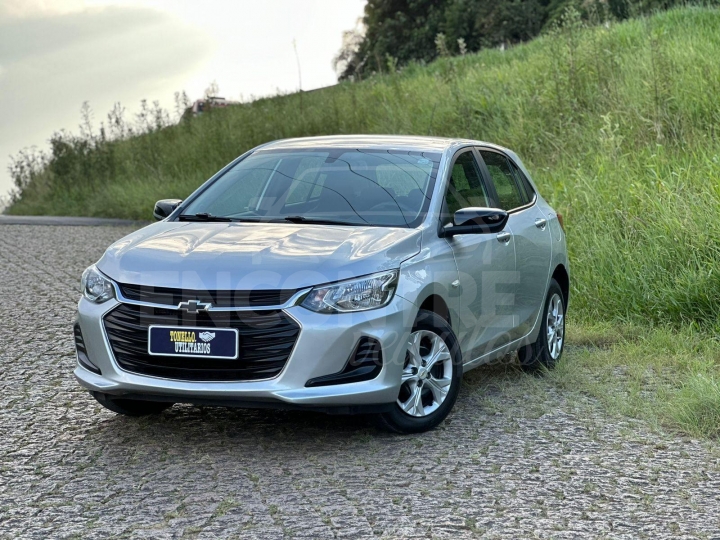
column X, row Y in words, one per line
column 56, row 54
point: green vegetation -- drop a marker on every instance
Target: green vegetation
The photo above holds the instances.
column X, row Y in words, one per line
column 667, row 376
column 619, row 124
column 397, row 32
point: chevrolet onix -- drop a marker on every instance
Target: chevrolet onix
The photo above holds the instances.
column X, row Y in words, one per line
column 342, row 274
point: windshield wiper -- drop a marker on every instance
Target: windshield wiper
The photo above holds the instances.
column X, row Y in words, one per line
column 317, row 221
column 203, row 216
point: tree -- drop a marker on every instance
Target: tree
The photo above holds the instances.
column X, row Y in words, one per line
column 397, row 32
column 352, row 40
column 403, row 30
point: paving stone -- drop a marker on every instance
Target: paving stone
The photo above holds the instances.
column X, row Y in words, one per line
column 497, row 468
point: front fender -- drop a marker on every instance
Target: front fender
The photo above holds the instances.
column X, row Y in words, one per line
column 431, row 272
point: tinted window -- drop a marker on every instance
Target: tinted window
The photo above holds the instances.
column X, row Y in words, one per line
column 357, row 187
column 523, row 182
column 508, row 191
column 465, row 188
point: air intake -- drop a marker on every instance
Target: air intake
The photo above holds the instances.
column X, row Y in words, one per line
column 364, row 364
column 81, row 351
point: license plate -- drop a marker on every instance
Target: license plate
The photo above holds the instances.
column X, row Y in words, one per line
column 193, row 342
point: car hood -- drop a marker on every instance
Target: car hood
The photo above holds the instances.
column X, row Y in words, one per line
column 249, row 256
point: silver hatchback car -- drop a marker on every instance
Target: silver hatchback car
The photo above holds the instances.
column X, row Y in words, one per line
column 342, row 274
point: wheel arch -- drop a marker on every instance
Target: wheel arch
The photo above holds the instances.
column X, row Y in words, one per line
column 560, row 274
column 437, row 304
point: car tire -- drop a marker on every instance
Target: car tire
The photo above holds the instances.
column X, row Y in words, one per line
column 547, row 350
column 427, row 397
column 130, row 407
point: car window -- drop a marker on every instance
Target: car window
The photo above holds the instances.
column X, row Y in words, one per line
column 307, row 183
column 507, row 189
column 465, row 188
column 401, row 181
column 381, row 187
column 241, row 191
column 523, row 182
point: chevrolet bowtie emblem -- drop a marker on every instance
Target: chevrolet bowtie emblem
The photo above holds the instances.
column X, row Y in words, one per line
column 194, row 306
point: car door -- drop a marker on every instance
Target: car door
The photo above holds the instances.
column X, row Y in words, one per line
column 485, row 262
column 533, row 245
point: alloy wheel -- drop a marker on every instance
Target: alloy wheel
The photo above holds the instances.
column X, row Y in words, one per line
column 427, row 374
column 555, row 326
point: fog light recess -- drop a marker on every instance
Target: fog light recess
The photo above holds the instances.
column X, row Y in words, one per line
column 364, row 364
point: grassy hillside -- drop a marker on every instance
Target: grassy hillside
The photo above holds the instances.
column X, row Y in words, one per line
column 620, row 127
column 619, row 124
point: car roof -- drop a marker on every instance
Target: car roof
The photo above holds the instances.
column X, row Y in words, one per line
column 404, row 142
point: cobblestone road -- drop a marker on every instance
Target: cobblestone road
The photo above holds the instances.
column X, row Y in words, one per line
column 516, row 459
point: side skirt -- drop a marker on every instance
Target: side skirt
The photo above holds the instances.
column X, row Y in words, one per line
column 505, row 349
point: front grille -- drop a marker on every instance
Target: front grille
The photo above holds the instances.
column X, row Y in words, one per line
column 266, row 341
column 172, row 297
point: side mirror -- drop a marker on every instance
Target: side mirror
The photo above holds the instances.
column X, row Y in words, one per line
column 476, row 221
column 165, row 207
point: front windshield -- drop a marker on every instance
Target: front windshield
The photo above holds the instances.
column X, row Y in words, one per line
column 388, row 188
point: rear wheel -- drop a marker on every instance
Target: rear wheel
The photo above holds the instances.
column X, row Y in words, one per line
column 431, row 377
column 548, row 348
column 130, row 407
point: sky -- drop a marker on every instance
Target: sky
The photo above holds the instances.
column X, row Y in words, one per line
column 57, row 54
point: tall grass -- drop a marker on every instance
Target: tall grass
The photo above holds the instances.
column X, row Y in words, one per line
column 619, row 124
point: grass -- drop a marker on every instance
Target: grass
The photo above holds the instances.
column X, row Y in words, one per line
column 619, row 124
column 697, row 406
column 668, row 377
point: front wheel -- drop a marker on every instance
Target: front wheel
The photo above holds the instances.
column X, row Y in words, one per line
column 431, row 377
column 548, row 348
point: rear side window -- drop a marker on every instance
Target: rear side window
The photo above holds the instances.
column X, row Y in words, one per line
column 524, row 182
column 465, row 188
column 508, row 191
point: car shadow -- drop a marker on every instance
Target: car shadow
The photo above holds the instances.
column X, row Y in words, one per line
column 211, row 429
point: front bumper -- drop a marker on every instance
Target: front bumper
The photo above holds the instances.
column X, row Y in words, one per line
column 323, row 347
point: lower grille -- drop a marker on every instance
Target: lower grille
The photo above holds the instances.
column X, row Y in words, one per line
column 365, row 363
column 266, row 341
column 81, row 350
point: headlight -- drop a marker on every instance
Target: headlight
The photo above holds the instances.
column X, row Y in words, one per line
column 96, row 287
column 360, row 294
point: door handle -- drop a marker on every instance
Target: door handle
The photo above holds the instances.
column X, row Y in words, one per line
column 504, row 237
column 540, row 223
